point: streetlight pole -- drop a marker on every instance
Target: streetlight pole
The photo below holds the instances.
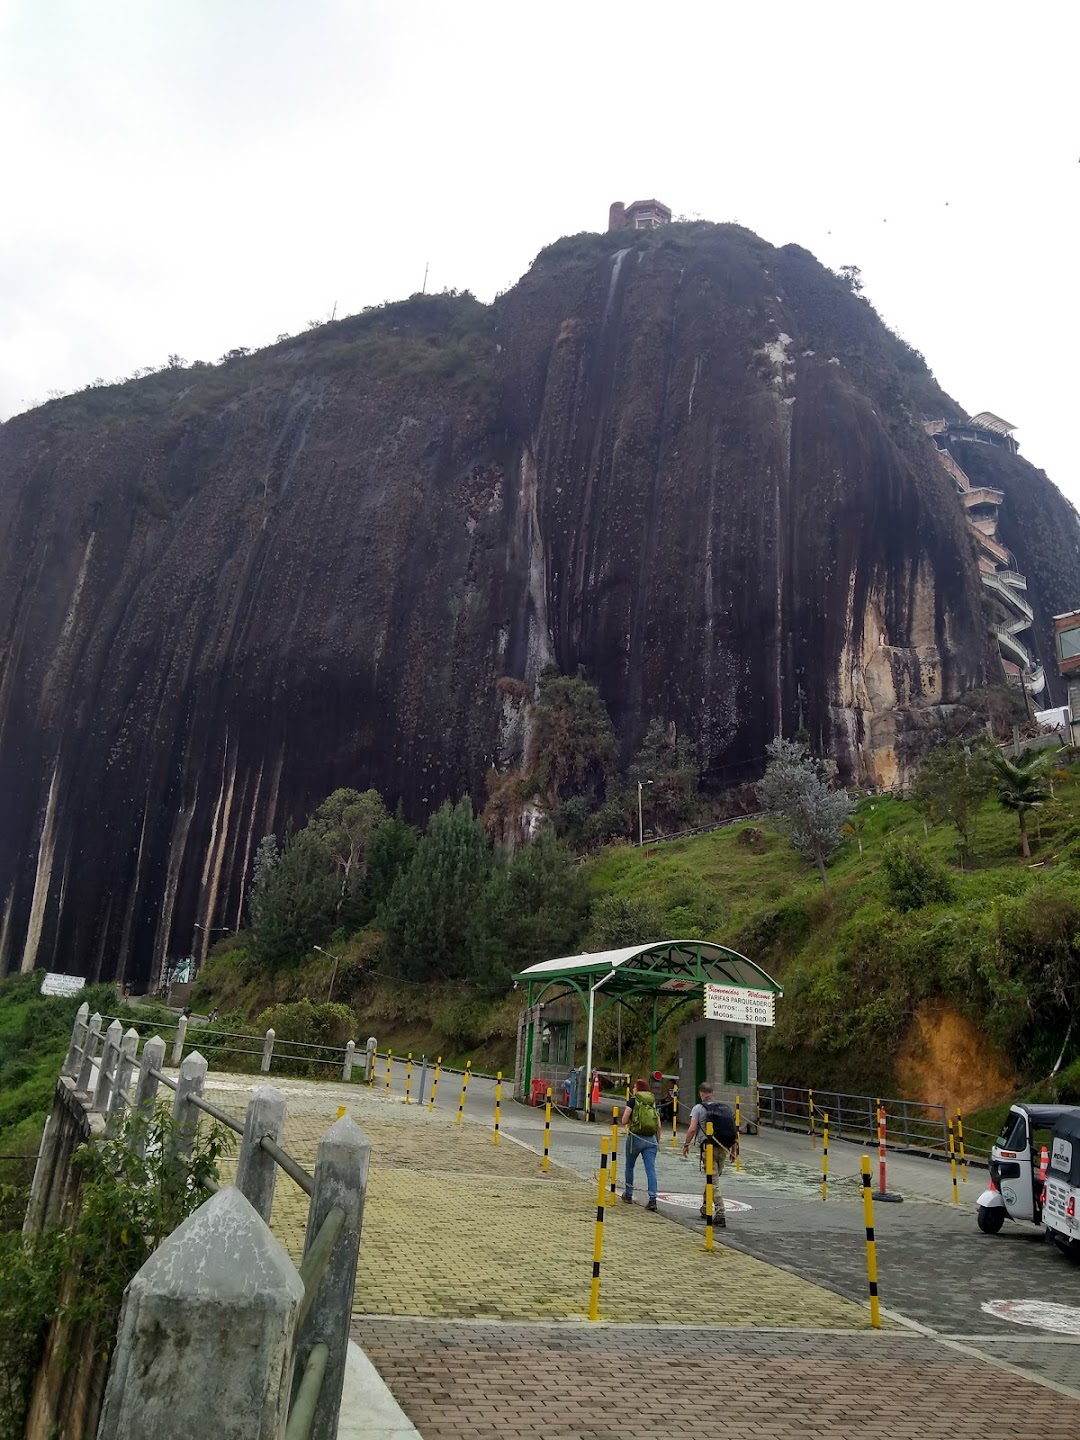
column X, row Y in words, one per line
column 640, row 828
column 333, row 974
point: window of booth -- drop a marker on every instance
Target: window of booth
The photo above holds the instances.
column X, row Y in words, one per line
column 736, row 1060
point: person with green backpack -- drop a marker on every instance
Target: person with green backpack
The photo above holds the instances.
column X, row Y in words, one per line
column 641, row 1120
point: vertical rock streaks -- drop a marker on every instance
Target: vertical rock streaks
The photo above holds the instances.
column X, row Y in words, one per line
column 694, row 466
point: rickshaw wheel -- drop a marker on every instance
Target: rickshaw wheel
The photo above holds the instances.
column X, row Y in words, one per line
column 990, row 1221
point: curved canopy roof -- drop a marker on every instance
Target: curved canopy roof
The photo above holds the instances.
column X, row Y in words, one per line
column 987, row 420
column 669, row 967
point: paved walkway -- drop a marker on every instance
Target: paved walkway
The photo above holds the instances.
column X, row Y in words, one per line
column 506, row 1382
column 458, row 1227
column 474, row 1280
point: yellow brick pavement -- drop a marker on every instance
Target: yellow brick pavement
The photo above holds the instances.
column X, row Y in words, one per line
column 457, row 1227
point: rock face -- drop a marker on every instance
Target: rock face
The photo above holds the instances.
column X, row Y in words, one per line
column 685, row 460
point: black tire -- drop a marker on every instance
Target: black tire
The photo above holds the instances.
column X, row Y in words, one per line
column 990, row 1221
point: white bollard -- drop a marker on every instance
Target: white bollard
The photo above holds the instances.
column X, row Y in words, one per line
column 178, row 1043
column 268, row 1052
column 350, row 1059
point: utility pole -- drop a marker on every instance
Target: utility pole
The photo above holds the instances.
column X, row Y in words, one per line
column 423, row 290
column 640, row 828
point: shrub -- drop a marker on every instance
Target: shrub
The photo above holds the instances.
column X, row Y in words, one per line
column 913, row 878
column 303, row 1027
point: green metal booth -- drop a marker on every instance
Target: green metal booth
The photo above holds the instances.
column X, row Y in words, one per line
column 653, row 981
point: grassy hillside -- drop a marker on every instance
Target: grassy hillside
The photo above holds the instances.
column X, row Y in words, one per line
column 877, row 998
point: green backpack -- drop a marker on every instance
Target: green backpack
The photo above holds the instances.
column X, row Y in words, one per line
column 644, row 1118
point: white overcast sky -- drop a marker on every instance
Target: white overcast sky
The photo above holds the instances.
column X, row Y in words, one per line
column 191, row 175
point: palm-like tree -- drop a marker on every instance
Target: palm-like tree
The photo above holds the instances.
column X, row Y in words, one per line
column 1020, row 785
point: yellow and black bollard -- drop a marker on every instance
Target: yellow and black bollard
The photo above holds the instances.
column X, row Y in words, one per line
column 871, row 1245
column 825, row 1156
column 464, row 1087
column 389, row 1058
column 341, row 1111
column 738, row 1132
column 547, row 1129
column 708, row 1185
column 408, row 1079
column 960, row 1142
column 498, row 1106
column 813, row 1124
column 598, row 1236
column 614, row 1154
column 675, row 1115
column 952, row 1165
column 435, row 1083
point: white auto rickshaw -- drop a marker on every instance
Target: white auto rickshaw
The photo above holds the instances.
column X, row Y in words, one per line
column 1016, row 1188
column 1061, row 1207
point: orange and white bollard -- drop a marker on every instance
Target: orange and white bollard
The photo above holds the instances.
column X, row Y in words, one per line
column 883, row 1192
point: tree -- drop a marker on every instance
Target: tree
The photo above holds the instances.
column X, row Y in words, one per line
column 852, row 278
column 952, row 783
column 572, row 749
column 293, row 900
column 430, row 914
column 797, row 796
column 346, row 823
column 621, row 920
column 669, row 761
column 391, row 851
column 1018, row 784
column 534, row 908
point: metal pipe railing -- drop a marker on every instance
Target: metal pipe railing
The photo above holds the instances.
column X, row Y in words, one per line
column 313, row 1265
column 302, row 1414
column 216, row 1114
column 294, row 1171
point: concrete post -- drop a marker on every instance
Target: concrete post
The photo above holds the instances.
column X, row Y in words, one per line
column 369, row 1064
column 118, row 1101
column 78, row 1034
column 341, row 1170
column 191, row 1080
column 207, row 1329
column 268, row 1052
column 152, row 1058
column 423, row 1079
column 350, row 1057
column 86, row 1069
column 110, row 1058
column 178, row 1043
column 255, row 1170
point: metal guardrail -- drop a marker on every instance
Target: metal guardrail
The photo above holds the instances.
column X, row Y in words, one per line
column 910, row 1123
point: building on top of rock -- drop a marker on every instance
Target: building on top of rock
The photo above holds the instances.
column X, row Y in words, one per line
column 641, row 215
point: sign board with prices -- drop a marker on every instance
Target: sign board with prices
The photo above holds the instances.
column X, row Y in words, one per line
column 740, row 1005
column 62, row 984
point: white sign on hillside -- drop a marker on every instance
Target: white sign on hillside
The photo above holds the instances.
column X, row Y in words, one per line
column 740, row 1005
column 62, row 984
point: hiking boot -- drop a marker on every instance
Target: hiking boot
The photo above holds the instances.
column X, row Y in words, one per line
column 651, row 1205
column 627, row 1199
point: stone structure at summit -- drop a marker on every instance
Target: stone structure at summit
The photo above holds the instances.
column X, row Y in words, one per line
column 685, row 460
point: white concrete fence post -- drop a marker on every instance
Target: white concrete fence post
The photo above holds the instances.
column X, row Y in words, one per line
column 255, row 1170
column 341, row 1172
column 86, row 1069
column 178, row 1043
column 73, row 1062
column 190, row 1081
column 350, row 1060
column 268, row 1052
column 369, row 1063
column 110, row 1058
column 152, row 1058
column 209, row 1321
column 118, row 1101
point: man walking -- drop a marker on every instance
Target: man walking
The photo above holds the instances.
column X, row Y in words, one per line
column 725, row 1139
column 641, row 1120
